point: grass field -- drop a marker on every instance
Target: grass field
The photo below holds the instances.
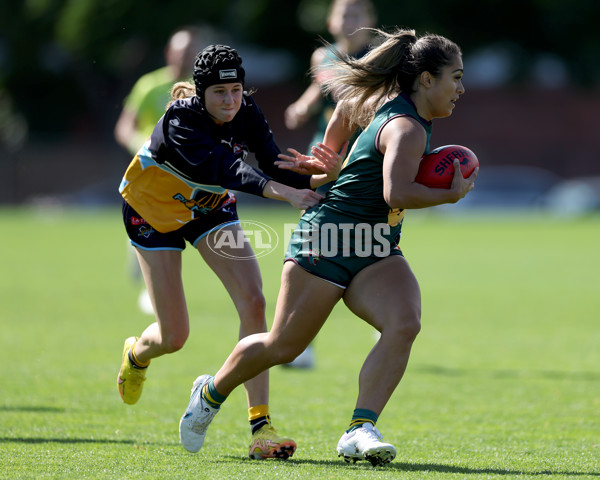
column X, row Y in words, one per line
column 503, row 383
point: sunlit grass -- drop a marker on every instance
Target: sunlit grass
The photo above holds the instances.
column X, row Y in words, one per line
column 503, row 381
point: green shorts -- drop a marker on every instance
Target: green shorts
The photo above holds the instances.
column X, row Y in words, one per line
column 336, row 250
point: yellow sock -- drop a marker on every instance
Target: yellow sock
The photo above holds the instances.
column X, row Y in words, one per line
column 258, row 417
column 258, row 411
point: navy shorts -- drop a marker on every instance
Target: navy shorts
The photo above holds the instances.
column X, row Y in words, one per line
column 143, row 236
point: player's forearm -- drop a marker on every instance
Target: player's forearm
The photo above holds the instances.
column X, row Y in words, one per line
column 318, row 180
column 277, row 191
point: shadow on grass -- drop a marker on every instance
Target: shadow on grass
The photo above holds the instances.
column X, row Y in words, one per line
column 419, row 467
column 425, row 467
column 35, row 440
column 32, row 409
column 520, row 374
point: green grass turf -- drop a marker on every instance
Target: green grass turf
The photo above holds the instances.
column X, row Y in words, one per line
column 504, row 380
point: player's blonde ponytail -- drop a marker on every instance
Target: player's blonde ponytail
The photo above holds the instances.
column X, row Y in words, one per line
column 182, row 90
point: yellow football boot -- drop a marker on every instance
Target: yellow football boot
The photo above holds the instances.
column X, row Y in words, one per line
column 131, row 378
column 266, row 443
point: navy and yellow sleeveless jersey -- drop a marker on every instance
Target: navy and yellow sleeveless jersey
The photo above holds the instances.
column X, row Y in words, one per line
column 189, row 163
column 357, row 195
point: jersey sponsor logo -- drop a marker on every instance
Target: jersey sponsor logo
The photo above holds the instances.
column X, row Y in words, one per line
column 138, row 221
column 204, row 204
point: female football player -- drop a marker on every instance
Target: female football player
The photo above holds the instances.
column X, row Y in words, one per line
column 176, row 189
column 347, row 246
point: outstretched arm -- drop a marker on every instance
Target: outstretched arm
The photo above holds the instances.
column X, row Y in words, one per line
column 298, row 198
column 328, row 157
column 324, row 166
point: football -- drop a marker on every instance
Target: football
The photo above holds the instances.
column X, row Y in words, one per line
column 436, row 169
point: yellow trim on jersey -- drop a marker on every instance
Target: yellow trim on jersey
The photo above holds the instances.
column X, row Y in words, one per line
column 165, row 200
column 395, row 216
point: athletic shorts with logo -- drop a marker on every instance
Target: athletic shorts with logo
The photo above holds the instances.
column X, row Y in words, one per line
column 142, row 235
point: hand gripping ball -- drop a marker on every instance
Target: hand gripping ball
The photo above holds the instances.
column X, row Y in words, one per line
column 436, row 169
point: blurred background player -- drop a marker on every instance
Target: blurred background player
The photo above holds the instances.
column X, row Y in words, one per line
column 147, row 102
column 345, row 20
column 149, row 97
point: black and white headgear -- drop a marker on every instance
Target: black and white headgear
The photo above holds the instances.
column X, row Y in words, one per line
column 217, row 64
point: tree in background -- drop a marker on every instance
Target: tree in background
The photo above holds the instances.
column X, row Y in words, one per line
column 67, row 63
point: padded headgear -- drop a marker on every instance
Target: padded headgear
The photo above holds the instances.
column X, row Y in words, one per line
column 217, row 64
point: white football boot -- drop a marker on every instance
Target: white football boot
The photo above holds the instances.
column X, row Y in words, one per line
column 197, row 417
column 365, row 443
